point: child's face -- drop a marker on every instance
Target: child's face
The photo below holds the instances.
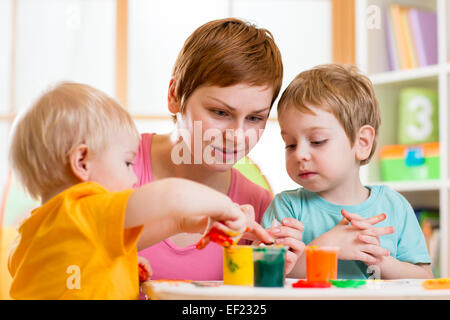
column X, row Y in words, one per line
column 319, row 155
column 113, row 168
column 236, row 116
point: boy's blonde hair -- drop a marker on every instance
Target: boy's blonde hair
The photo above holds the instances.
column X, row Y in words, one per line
column 339, row 89
column 64, row 117
column 226, row 52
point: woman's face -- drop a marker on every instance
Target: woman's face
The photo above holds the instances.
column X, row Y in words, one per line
column 221, row 125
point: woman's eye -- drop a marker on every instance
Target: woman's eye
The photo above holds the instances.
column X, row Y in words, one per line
column 129, row 163
column 254, row 119
column 219, row 113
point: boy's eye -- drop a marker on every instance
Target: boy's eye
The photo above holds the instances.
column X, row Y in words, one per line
column 290, row 146
column 319, row 142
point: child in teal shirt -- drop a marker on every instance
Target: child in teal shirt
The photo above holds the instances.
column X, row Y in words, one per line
column 329, row 118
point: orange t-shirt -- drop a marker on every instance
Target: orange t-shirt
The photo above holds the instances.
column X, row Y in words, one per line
column 75, row 247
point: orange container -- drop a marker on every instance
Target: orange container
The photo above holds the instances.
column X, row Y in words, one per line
column 321, row 263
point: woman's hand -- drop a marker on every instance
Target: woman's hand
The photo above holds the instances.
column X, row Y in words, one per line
column 255, row 231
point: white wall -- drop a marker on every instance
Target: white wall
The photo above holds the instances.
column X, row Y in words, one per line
column 75, row 40
column 301, row 28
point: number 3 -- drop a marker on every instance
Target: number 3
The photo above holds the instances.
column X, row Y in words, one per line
column 423, row 117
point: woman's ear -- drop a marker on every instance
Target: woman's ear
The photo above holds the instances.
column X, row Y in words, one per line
column 364, row 142
column 78, row 162
column 172, row 99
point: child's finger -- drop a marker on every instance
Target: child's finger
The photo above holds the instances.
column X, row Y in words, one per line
column 380, row 231
column 361, row 224
column 375, row 250
column 291, row 260
column 285, row 232
column 293, row 223
column 295, row 246
column 376, row 219
column 368, row 239
column 366, row 258
column 350, row 216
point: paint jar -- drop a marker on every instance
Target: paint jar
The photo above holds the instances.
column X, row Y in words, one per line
column 269, row 265
column 321, row 263
column 238, row 265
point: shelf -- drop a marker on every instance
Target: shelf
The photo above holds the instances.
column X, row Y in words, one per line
column 373, row 59
column 406, row 75
column 411, row 186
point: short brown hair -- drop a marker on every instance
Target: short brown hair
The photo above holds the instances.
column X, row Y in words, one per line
column 226, row 52
column 339, row 89
column 65, row 116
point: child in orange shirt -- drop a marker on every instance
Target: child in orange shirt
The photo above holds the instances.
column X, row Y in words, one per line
column 72, row 150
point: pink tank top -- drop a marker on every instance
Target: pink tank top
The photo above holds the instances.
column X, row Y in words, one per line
column 169, row 261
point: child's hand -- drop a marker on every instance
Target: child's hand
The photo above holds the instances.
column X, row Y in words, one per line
column 369, row 235
column 230, row 215
column 350, row 246
column 225, row 236
column 289, row 233
column 144, row 268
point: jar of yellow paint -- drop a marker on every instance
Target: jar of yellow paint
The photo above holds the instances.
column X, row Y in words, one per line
column 238, row 265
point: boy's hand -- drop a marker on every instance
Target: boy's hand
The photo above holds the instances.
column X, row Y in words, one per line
column 369, row 235
column 231, row 216
column 229, row 232
column 289, row 233
column 347, row 237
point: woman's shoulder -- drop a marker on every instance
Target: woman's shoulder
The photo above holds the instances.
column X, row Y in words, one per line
column 245, row 185
column 245, row 191
column 142, row 165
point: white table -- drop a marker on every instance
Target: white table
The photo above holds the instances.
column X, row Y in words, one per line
column 374, row 290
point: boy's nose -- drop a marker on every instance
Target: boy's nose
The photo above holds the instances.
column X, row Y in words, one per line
column 302, row 153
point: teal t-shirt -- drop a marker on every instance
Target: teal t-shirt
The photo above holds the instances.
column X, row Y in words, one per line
column 406, row 244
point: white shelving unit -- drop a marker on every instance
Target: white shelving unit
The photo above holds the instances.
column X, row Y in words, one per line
column 372, row 58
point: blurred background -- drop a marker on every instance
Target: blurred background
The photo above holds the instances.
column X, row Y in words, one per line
column 127, row 48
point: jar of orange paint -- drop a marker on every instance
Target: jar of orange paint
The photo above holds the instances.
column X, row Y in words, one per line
column 321, row 263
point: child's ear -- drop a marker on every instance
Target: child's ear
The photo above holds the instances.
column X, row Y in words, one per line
column 172, row 99
column 364, row 142
column 78, row 162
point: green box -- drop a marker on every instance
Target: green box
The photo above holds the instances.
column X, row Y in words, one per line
column 410, row 163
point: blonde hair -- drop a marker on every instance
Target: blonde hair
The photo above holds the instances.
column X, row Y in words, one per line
column 64, row 117
column 226, row 52
column 339, row 89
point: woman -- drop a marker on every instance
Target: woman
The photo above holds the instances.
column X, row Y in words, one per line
column 224, row 83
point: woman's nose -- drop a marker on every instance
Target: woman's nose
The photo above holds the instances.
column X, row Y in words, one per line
column 236, row 133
